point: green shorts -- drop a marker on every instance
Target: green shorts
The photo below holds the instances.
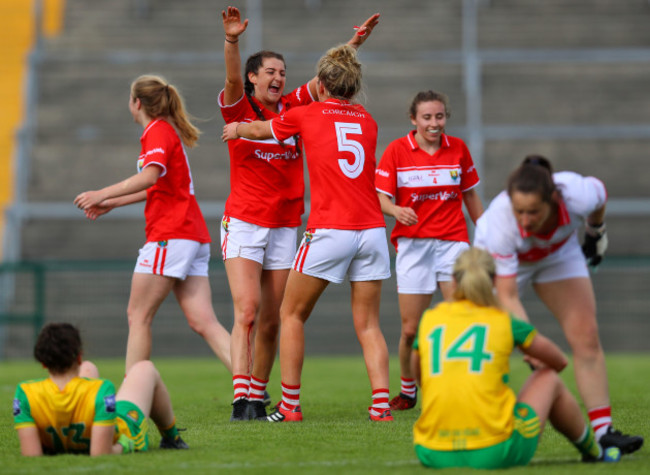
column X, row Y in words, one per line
column 132, row 422
column 517, row 450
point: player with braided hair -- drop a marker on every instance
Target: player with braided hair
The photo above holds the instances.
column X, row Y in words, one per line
column 340, row 140
column 263, row 210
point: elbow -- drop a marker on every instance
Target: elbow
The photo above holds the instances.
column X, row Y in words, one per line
column 562, row 363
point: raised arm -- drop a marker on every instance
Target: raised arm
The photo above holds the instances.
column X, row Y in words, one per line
column 360, row 36
column 232, row 28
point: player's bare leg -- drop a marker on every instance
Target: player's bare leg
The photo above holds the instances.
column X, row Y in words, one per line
column 195, row 299
column 573, row 303
column 147, row 293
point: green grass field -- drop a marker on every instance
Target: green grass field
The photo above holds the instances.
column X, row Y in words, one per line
column 334, row 437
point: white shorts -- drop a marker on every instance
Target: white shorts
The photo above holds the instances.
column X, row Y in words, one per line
column 174, row 258
column 422, row 263
column 274, row 248
column 568, row 262
column 331, row 254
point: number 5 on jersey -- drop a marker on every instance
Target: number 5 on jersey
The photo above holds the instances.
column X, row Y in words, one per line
column 346, row 144
column 470, row 346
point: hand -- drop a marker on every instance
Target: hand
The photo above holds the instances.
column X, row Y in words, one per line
column 232, row 25
column 595, row 244
column 94, row 212
column 534, row 363
column 363, row 31
column 406, row 216
column 87, row 199
column 128, row 446
column 230, row 131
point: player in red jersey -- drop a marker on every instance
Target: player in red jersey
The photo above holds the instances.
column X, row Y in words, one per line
column 258, row 236
column 430, row 175
column 176, row 254
column 345, row 233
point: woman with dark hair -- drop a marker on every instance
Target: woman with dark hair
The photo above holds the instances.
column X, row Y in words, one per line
column 177, row 252
column 263, row 210
column 430, row 175
column 531, row 229
column 470, row 416
column 73, row 411
column 341, row 240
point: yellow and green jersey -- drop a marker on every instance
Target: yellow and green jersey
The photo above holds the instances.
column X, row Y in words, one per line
column 64, row 418
column 464, row 364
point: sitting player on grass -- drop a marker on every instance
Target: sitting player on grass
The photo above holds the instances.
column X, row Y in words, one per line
column 470, row 416
column 73, row 411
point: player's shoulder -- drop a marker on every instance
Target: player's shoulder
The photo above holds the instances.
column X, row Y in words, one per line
column 30, row 383
column 567, row 178
column 500, row 205
column 454, row 141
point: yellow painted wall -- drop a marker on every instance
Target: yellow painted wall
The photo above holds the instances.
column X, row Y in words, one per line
column 17, row 35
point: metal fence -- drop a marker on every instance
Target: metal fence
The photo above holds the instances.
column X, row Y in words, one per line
column 94, row 296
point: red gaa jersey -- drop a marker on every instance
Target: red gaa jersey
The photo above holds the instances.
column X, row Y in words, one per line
column 432, row 185
column 340, row 141
column 266, row 177
column 171, row 211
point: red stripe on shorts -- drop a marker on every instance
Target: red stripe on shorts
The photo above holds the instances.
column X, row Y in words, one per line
column 224, row 246
column 302, row 255
column 159, row 261
column 155, row 259
column 162, row 263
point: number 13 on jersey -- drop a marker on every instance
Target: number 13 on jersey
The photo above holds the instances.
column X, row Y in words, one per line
column 469, row 346
column 346, row 144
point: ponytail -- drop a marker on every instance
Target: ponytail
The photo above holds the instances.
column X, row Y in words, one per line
column 534, row 175
column 161, row 99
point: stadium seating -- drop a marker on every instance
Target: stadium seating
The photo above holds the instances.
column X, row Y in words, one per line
column 86, row 139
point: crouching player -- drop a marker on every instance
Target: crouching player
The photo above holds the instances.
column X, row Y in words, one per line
column 73, row 411
column 470, row 417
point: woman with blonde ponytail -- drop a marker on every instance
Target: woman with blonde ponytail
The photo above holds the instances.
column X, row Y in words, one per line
column 177, row 251
column 470, row 416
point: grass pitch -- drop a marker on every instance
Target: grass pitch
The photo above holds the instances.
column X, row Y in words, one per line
column 335, row 436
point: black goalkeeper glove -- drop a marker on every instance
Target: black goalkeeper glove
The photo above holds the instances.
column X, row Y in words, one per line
column 595, row 244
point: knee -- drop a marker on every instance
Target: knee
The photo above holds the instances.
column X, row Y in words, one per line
column 268, row 327
column 144, row 367
column 138, row 318
column 245, row 314
column 408, row 333
column 585, row 342
column 87, row 369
